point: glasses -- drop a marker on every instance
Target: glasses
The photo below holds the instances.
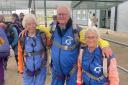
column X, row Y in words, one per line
column 62, row 14
column 91, row 37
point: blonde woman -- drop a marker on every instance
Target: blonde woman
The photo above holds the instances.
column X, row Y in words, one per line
column 92, row 62
column 33, row 45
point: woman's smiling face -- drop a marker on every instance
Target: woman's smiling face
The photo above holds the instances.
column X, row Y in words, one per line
column 31, row 24
column 91, row 39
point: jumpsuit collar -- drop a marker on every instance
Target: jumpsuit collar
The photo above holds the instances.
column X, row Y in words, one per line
column 61, row 32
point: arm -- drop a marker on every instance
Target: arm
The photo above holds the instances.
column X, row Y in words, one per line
column 44, row 29
column 113, row 73
column 103, row 43
column 48, row 34
column 20, row 58
column 15, row 41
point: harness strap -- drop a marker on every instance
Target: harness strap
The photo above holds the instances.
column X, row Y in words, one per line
column 61, row 77
column 106, row 62
column 65, row 47
column 105, row 66
column 29, row 54
column 92, row 76
column 71, row 72
column 73, row 69
column 36, row 72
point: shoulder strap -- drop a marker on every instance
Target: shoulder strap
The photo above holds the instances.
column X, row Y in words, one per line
column 105, row 66
column 76, row 30
column 43, row 40
column 53, row 28
column 22, row 41
column 79, row 64
column 106, row 63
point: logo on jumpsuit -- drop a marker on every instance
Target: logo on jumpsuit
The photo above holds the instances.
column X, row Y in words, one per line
column 98, row 69
column 69, row 40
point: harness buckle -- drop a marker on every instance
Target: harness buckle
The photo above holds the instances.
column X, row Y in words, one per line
column 92, row 76
column 65, row 47
column 29, row 54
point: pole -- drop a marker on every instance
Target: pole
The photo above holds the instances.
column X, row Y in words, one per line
column 34, row 7
column 45, row 13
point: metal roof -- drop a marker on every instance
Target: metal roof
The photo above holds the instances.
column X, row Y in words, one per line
column 95, row 4
column 9, row 5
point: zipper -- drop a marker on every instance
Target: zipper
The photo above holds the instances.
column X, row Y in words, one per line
column 89, row 78
column 33, row 63
column 89, row 68
column 59, row 58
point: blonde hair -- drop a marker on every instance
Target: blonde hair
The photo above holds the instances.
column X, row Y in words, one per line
column 27, row 17
column 92, row 29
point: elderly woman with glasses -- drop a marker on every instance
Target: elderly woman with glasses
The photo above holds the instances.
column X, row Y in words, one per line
column 32, row 63
column 93, row 62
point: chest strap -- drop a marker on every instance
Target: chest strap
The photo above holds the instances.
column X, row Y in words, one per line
column 37, row 71
column 30, row 54
column 92, row 76
column 64, row 47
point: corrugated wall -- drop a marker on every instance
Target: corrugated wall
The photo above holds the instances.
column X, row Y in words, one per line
column 122, row 19
column 112, row 18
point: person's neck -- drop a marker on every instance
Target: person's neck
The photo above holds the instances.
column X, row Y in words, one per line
column 32, row 32
column 62, row 25
column 91, row 49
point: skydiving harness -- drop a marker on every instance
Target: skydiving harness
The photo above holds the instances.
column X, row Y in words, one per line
column 30, row 54
column 80, row 70
column 106, row 62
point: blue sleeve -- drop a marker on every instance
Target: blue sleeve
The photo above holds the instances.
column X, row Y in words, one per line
column 15, row 41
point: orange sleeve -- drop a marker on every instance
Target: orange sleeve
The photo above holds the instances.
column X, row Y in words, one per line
column 113, row 73
column 20, row 58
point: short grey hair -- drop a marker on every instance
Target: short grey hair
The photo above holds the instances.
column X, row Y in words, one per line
column 27, row 17
column 66, row 7
column 92, row 29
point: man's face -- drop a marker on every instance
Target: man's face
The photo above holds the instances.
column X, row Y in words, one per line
column 62, row 15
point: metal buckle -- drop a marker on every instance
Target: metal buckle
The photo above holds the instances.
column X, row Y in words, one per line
column 65, row 47
column 67, row 77
column 29, row 54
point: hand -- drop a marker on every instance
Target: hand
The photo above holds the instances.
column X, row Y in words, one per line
column 107, row 51
column 23, row 33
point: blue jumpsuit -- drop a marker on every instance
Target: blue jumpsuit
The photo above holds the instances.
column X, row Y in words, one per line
column 93, row 64
column 63, row 60
column 33, row 44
